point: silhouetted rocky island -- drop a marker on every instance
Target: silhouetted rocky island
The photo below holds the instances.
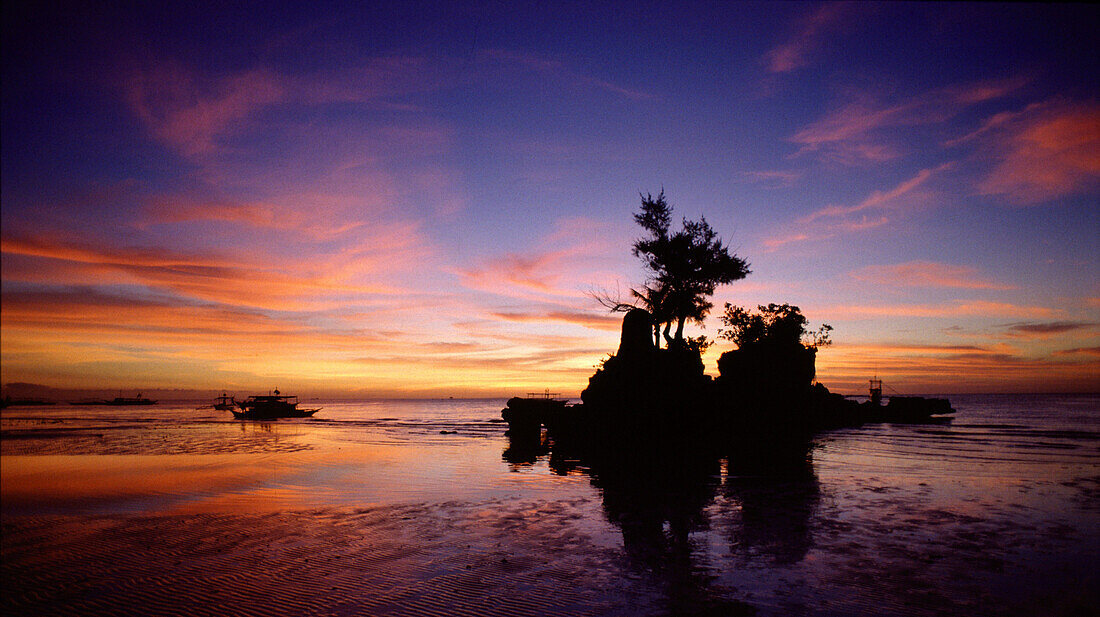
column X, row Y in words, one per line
column 764, row 393
column 652, row 397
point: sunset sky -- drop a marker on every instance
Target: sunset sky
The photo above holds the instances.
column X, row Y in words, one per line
column 415, row 199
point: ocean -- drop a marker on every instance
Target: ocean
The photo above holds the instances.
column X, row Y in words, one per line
column 421, row 507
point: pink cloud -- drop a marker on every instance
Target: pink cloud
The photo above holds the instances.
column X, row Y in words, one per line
column 189, row 114
column 587, row 319
column 302, row 219
column 191, row 111
column 538, row 272
column 925, row 274
column 273, row 283
column 855, row 133
column 1050, row 329
column 957, row 309
column 874, row 211
column 773, row 178
column 809, row 35
column 1047, row 151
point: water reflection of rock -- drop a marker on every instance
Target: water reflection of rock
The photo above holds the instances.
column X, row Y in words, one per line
column 776, row 497
column 665, row 500
column 658, row 498
column 525, row 450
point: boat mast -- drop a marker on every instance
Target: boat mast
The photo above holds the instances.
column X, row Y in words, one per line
column 876, row 391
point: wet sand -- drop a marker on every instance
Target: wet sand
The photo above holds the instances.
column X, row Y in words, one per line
column 492, row 558
column 375, row 516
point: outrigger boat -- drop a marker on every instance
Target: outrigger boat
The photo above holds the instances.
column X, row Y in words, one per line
column 118, row 401
column 271, row 406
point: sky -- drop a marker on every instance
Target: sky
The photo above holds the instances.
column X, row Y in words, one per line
column 419, row 199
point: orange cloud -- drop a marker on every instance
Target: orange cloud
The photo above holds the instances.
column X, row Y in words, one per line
column 586, row 319
column 1048, row 150
column 925, row 274
column 263, row 284
column 537, row 272
column 914, row 368
column 164, row 209
column 1084, row 351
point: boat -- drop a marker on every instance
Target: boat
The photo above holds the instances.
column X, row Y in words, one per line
column 118, row 401
column 270, row 407
column 130, row 400
column 8, row 401
column 224, row 402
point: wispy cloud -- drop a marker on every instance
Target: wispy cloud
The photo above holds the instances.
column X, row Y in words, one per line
column 588, row 319
column 548, row 67
column 956, row 309
column 926, row 274
column 1046, row 151
column 186, row 113
column 270, row 281
column 810, row 33
column 773, row 178
column 302, row 218
column 865, row 130
column 1080, row 351
column 929, row 368
column 1049, row 328
column 571, row 252
column 873, row 211
column 512, row 273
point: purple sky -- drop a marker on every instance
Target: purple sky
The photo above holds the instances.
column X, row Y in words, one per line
column 414, row 200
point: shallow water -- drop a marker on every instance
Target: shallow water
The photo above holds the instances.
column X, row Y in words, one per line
column 420, row 507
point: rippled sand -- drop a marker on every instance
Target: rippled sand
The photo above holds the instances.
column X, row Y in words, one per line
column 994, row 514
column 491, row 558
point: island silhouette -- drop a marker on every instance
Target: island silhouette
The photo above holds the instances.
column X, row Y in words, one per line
column 653, row 393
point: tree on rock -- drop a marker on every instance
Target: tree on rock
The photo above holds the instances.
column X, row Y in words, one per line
column 685, row 268
column 774, row 324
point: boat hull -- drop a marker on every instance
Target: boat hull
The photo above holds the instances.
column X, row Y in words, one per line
column 273, row 414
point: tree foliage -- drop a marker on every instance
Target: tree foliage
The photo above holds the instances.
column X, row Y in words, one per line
column 775, row 324
column 685, row 267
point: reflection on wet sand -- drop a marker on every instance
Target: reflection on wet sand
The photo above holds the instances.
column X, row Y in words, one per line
column 994, row 515
column 659, row 495
column 777, row 498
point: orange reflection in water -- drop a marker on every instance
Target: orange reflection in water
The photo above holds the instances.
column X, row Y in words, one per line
column 279, row 468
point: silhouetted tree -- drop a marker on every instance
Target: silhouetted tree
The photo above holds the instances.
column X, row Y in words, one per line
column 685, row 267
column 775, row 324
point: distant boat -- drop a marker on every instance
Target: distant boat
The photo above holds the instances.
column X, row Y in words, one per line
column 270, row 407
column 118, row 401
column 8, row 401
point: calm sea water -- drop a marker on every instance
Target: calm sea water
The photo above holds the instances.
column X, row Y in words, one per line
column 994, row 513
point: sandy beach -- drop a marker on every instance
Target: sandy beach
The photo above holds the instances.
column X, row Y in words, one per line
column 378, row 513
